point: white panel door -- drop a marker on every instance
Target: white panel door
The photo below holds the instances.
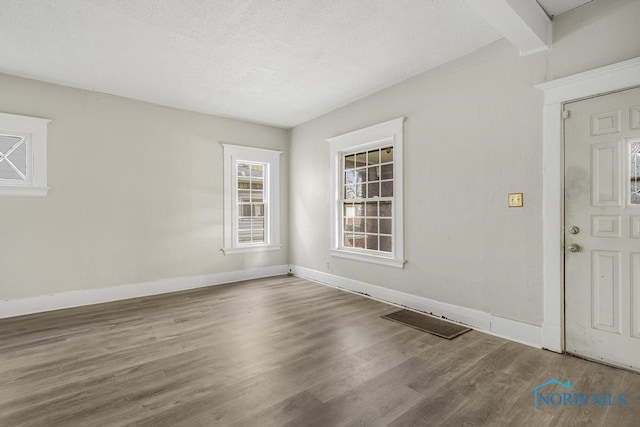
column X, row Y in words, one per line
column 602, row 228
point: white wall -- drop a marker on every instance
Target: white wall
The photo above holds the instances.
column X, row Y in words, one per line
column 473, row 134
column 136, row 194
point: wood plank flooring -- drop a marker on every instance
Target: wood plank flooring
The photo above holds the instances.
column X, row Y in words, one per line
column 279, row 351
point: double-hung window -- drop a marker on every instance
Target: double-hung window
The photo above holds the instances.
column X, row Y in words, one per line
column 251, row 199
column 366, row 183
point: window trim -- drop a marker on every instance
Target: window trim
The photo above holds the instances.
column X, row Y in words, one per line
column 237, row 153
column 386, row 133
column 35, row 131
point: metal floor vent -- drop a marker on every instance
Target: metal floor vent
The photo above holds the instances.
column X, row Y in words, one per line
column 429, row 324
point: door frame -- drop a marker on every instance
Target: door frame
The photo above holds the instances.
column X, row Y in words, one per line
column 557, row 92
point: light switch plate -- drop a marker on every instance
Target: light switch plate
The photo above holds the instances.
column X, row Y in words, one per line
column 516, row 200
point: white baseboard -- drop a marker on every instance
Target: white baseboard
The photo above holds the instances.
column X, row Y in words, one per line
column 22, row 306
column 506, row 328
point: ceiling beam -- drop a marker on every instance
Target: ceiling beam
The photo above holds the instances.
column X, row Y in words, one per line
column 523, row 22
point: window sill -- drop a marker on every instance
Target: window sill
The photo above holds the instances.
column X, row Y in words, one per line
column 357, row 256
column 17, row 190
column 249, row 249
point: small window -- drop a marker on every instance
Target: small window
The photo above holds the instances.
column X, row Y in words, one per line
column 367, row 194
column 23, row 156
column 251, row 199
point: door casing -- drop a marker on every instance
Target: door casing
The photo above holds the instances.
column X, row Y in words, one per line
column 599, row 81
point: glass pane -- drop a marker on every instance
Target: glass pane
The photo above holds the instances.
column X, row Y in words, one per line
column 350, row 191
column 361, row 191
column 244, row 210
column 372, row 225
column 258, row 209
column 349, row 210
column 372, row 208
column 256, row 184
column 257, row 223
column 243, row 169
column 350, row 161
column 243, row 183
column 350, row 177
column 257, row 196
column 634, row 172
column 385, row 226
column 358, row 209
column 361, row 159
column 244, row 196
column 361, row 175
column 372, row 243
column 257, row 170
column 359, row 241
column 635, row 191
column 386, row 189
column 244, row 236
column 387, row 172
column 385, row 209
column 7, row 142
column 373, row 190
column 348, row 224
column 244, row 224
column 385, row 243
column 19, row 158
column 7, row 172
column 348, row 240
column 373, row 157
column 257, row 236
column 374, row 173
column 386, row 155
column 358, row 225
column 13, row 165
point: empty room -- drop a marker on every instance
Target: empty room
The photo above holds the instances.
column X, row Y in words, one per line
column 319, row 212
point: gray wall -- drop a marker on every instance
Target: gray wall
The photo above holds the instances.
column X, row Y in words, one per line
column 137, row 188
column 136, row 194
column 473, row 134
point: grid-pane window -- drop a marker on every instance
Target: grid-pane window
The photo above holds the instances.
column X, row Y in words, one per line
column 251, row 199
column 251, row 203
column 367, row 200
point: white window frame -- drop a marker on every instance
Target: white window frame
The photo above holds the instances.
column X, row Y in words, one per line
column 376, row 136
column 34, row 130
column 233, row 154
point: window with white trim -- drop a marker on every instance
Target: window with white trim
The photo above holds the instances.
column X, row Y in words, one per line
column 23, row 155
column 251, row 199
column 366, row 204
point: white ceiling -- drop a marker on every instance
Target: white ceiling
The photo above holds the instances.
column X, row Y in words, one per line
column 557, row 7
column 279, row 62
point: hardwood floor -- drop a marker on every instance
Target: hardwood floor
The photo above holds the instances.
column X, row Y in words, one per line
column 280, row 351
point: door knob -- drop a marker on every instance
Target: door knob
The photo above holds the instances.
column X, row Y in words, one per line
column 574, row 230
column 573, row 248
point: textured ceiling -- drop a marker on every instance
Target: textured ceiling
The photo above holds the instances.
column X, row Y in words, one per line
column 557, row 7
column 279, row 62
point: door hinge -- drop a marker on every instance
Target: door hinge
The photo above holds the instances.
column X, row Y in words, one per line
column 566, row 114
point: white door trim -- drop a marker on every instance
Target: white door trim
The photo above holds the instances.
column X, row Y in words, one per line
column 599, row 81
